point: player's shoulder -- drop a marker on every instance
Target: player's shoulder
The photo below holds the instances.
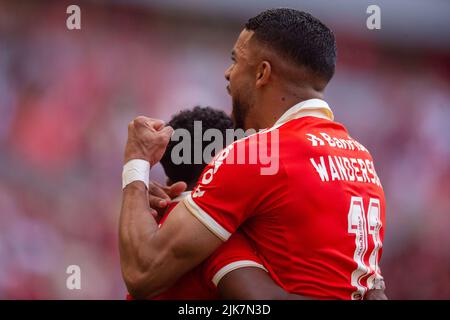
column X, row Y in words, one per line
column 325, row 133
column 268, row 136
column 252, row 137
column 249, row 153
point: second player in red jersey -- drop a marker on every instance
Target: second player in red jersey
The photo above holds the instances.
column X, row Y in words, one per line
column 201, row 282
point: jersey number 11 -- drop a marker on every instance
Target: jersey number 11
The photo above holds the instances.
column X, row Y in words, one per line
column 363, row 226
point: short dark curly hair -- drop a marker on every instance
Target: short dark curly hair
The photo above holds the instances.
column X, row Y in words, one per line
column 211, row 119
column 298, row 36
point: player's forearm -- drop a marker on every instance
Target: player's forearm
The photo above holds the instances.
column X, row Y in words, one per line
column 251, row 283
column 261, row 295
column 138, row 254
column 146, row 259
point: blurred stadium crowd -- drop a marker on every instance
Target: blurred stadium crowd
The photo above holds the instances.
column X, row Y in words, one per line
column 66, row 98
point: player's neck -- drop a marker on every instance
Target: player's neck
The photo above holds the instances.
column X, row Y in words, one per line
column 271, row 108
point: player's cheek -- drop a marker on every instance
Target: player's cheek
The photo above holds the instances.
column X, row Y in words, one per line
column 235, row 77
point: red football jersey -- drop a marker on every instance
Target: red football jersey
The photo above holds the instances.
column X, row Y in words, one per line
column 201, row 282
column 311, row 202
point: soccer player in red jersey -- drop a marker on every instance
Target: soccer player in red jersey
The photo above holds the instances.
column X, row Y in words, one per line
column 314, row 208
column 236, row 255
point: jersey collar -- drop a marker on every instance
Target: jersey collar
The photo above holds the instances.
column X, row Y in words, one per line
column 312, row 107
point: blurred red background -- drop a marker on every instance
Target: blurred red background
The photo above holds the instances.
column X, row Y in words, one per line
column 66, row 98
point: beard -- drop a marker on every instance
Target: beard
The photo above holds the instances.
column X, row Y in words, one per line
column 239, row 113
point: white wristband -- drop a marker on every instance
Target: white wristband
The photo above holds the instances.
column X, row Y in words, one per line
column 135, row 170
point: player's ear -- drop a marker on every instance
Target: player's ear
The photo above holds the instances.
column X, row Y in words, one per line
column 263, row 73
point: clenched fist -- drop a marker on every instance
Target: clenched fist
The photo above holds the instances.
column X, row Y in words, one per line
column 147, row 139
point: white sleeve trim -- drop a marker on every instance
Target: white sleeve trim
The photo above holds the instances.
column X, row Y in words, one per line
column 233, row 266
column 206, row 219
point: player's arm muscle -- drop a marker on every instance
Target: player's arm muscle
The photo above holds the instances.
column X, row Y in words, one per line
column 153, row 258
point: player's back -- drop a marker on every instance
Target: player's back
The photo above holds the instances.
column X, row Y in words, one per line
column 324, row 220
